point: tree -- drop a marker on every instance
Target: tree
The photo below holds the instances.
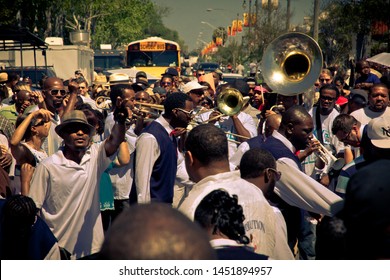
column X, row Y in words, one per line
column 220, row 32
column 346, row 22
column 269, row 24
column 109, row 21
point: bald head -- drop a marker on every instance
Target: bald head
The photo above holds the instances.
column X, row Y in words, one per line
column 272, row 123
column 155, row 232
column 294, row 115
column 52, row 82
column 297, row 126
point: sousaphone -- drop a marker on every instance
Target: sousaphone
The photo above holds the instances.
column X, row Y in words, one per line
column 292, row 63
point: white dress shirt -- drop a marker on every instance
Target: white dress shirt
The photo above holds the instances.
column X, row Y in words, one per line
column 300, row 190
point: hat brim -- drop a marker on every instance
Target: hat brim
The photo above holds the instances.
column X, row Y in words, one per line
column 60, row 129
column 197, row 88
column 381, row 143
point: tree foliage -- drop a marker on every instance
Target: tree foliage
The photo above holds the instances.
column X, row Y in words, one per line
column 344, row 21
column 115, row 22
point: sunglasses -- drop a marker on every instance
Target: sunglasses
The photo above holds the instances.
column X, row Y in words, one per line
column 327, row 98
column 42, row 122
column 277, row 173
column 201, row 74
column 324, row 80
column 189, row 113
column 166, row 83
column 56, row 91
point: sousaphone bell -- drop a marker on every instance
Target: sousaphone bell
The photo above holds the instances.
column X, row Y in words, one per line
column 292, row 63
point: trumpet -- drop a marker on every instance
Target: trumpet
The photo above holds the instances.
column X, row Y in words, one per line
column 103, row 102
column 328, row 158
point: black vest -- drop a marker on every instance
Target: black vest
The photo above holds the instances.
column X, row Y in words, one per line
column 164, row 171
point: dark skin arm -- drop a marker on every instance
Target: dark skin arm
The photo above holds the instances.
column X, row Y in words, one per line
column 74, row 90
column 118, row 131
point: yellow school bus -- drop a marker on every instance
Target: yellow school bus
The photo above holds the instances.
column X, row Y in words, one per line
column 153, row 55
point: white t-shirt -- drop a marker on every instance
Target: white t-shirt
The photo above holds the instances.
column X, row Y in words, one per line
column 330, row 141
column 122, row 176
column 365, row 115
column 68, row 195
column 227, row 125
column 260, row 220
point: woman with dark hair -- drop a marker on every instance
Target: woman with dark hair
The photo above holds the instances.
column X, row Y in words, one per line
column 222, row 217
column 25, row 236
column 26, row 143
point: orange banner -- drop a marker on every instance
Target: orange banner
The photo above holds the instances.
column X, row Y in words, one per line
column 234, row 26
column 239, row 26
column 246, row 19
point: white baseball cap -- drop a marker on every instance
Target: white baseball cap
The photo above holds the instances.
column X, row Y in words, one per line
column 191, row 86
column 378, row 130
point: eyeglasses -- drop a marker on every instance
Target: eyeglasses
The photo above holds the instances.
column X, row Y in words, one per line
column 346, row 137
column 324, row 80
column 166, row 83
column 277, row 173
column 56, row 91
column 189, row 113
column 327, row 98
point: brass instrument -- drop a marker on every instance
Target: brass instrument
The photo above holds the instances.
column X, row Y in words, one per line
column 328, row 158
column 277, row 108
column 230, row 102
column 151, row 106
column 292, row 63
column 103, row 102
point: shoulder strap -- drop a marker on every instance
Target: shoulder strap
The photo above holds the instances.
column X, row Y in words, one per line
column 319, row 125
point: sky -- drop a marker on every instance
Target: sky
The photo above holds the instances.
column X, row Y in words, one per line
column 186, row 16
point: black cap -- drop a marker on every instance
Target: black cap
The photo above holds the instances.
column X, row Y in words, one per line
column 242, row 86
column 171, row 71
column 359, row 96
column 141, row 74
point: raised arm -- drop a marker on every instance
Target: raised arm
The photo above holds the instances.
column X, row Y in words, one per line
column 118, row 131
column 18, row 150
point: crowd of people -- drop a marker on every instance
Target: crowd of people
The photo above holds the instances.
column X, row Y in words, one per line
column 190, row 167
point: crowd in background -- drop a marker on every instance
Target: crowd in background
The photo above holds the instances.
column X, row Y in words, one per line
column 192, row 167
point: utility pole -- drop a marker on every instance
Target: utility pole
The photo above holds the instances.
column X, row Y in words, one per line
column 316, row 19
column 288, row 15
column 269, row 12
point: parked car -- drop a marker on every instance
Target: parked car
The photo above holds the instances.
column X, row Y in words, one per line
column 231, row 77
column 35, row 74
column 208, row 66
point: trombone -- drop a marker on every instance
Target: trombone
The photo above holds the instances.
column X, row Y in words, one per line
column 230, row 101
column 151, row 106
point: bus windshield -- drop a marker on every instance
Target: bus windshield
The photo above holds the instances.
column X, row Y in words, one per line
column 155, row 58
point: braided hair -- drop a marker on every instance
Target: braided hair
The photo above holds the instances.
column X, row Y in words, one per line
column 19, row 215
column 221, row 212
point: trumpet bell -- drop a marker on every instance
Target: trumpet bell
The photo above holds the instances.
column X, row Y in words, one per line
column 292, row 63
column 103, row 102
column 230, row 101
